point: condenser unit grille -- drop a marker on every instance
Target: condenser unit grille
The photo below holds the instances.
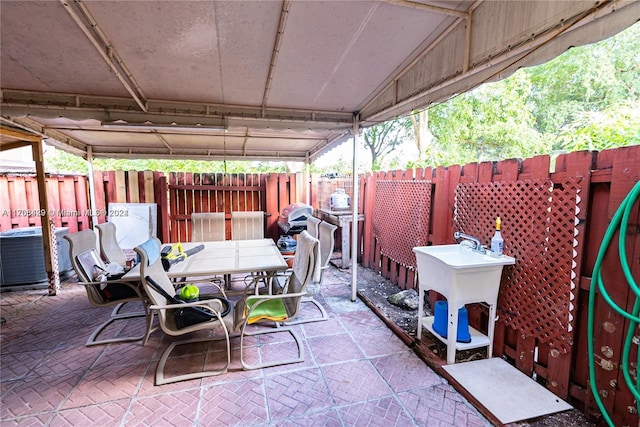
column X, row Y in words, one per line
column 22, row 257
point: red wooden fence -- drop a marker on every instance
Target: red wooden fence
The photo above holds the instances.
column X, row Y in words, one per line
column 20, row 206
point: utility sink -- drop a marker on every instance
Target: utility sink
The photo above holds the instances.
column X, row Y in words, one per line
column 459, row 256
column 462, row 276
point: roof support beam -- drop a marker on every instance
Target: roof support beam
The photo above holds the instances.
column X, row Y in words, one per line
column 52, row 137
column 431, row 8
column 53, row 275
column 461, row 17
column 102, row 44
column 14, row 144
column 102, row 108
column 355, row 203
column 23, row 136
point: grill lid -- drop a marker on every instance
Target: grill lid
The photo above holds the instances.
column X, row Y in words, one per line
column 293, row 219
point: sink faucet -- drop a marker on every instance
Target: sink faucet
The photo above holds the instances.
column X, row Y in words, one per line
column 477, row 246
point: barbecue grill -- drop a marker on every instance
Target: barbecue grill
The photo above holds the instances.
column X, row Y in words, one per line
column 293, row 219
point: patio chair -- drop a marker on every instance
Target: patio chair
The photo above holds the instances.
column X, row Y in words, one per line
column 89, row 267
column 326, row 237
column 109, row 247
column 161, row 295
column 207, row 227
column 247, row 225
column 312, row 226
column 279, row 308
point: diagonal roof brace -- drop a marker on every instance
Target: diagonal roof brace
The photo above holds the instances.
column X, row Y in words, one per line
column 104, row 47
column 286, row 5
column 431, row 8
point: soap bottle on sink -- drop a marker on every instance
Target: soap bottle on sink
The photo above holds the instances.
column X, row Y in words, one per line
column 496, row 241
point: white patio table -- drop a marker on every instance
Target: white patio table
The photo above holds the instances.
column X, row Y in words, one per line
column 225, row 257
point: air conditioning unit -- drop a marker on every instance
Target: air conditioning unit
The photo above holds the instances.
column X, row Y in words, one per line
column 22, row 257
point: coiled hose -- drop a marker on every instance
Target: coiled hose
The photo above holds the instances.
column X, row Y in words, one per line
column 620, row 221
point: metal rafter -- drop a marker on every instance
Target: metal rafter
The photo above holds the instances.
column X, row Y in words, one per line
column 113, row 108
column 431, row 8
column 284, row 14
column 462, row 16
column 106, row 50
column 53, row 137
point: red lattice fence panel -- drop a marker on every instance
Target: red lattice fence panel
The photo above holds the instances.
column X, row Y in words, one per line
column 538, row 225
column 401, row 218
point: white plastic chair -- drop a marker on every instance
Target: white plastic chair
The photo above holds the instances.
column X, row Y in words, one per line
column 86, row 261
column 312, row 226
column 247, row 225
column 109, row 247
column 207, row 227
column 326, row 237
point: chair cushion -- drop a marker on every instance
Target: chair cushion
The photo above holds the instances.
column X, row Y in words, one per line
column 273, row 310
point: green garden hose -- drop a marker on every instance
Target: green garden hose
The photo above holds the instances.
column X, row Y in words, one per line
column 620, row 221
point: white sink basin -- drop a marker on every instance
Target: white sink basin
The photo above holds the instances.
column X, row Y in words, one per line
column 458, row 256
column 463, row 277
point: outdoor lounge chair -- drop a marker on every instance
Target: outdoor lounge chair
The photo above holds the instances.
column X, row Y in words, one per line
column 109, row 247
column 326, row 238
column 207, row 227
column 88, row 265
column 279, row 308
column 247, row 225
column 161, row 291
column 312, row 226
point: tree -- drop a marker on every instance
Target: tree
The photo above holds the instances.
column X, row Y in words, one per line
column 618, row 126
column 491, row 122
column 382, row 139
column 585, row 78
column 419, row 122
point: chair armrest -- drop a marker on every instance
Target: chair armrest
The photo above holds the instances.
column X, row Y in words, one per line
column 182, row 305
column 132, row 284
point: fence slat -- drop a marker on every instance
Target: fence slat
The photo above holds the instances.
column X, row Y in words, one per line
column 133, row 189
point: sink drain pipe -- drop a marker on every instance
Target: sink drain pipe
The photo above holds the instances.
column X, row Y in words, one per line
column 620, row 221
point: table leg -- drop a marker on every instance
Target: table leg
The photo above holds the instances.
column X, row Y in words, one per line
column 344, row 231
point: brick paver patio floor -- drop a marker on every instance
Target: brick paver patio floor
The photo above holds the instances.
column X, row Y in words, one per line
column 356, row 372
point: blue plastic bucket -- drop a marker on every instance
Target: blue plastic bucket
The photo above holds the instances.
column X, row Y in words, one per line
column 441, row 315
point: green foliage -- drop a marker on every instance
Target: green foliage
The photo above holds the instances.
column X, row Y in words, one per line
column 491, row 122
column 618, row 126
column 62, row 162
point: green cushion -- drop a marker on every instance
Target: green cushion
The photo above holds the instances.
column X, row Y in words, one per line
column 268, row 310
